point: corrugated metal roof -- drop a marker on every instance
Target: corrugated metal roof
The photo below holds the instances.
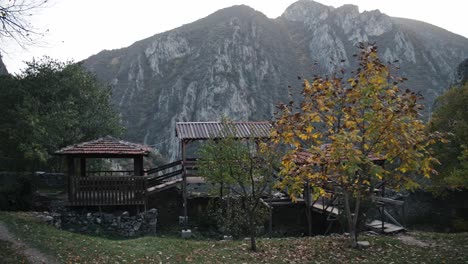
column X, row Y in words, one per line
column 210, row 130
column 105, row 145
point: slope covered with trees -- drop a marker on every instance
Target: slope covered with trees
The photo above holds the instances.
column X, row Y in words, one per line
column 48, row 106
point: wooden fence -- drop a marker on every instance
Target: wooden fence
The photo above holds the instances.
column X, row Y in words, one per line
column 122, row 188
column 102, row 190
column 110, row 173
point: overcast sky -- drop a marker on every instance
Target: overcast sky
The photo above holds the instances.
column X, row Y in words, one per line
column 78, row 29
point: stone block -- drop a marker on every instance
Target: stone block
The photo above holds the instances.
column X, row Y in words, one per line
column 186, row 233
column 363, row 244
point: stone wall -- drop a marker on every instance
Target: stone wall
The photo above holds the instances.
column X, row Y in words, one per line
column 118, row 224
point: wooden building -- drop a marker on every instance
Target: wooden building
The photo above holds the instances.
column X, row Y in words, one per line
column 98, row 188
column 190, row 132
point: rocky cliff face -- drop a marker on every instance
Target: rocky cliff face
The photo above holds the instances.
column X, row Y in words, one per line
column 237, row 62
column 462, row 73
column 3, row 69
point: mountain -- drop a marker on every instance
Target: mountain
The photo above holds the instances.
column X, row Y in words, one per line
column 239, row 63
column 462, row 73
column 3, row 69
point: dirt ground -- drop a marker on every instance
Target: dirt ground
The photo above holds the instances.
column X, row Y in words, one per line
column 33, row 255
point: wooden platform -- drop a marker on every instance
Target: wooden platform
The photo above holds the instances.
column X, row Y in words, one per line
column 389, row 228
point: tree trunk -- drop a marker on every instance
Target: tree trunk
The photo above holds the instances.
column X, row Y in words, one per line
column 253, row 242
column 350, row 220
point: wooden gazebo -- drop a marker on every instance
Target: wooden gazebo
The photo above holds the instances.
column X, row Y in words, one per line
column 96, row 188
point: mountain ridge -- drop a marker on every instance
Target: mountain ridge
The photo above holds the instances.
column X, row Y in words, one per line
column 239, row 63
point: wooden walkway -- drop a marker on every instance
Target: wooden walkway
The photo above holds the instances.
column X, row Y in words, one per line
column 318, row 206
column 321, row 206
column 389, row 228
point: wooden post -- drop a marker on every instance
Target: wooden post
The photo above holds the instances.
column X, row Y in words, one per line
column 270, row 224
column 308, row 202
column 138, row 165
column 184, row 182
column 70, row 175
column 383, row 208
column 82, row 166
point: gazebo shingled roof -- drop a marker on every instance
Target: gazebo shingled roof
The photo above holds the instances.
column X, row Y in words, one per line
column 105, row 146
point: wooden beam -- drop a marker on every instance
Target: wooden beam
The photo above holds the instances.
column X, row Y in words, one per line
column 387, row 200
column 70, row 175
column 83, row 166
column 265, row 203
column 184, row 180
column 138, row 165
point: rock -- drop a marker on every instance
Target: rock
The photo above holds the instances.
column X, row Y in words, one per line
column 88, row 216
column 186, row 233
column 58, row 223
column 98, row 221
column 125, row 214
column 48, row 219
column 227, row 237
column 363, row 244
column 137, row 226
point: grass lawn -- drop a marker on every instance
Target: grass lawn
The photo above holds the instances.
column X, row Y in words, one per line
column 8, row 254
column 70, row 247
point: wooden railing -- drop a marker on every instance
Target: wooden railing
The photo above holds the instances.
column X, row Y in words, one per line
column 123, row 188
column 110, row 173
column 101, row 190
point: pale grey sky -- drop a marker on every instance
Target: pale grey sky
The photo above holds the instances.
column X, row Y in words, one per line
column 81, row 28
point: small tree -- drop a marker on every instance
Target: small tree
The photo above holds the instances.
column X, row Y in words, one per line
column 364, row 117
column 244, row 168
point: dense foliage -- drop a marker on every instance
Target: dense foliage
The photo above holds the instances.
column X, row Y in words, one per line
column 48, row 106
column 341, row 127
column 451, row 116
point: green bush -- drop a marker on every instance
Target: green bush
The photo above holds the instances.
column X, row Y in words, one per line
column 16, row 194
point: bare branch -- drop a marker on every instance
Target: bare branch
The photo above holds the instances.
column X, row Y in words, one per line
column 15, row 21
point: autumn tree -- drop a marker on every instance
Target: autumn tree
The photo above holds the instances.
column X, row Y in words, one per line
column 343, row 124
column 244, row 167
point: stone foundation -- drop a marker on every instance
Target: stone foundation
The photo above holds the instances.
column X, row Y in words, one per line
column 119, row 224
